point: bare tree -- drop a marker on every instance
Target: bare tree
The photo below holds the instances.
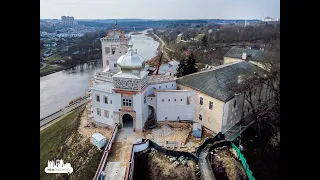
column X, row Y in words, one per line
column 269, row 83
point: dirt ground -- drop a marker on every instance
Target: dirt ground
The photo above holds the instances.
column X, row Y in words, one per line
column 178, row 132
column 86, row 132
column 121, row 153
column 226, row 167
column 155, row 166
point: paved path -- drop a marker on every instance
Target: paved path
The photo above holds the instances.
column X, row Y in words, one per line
column 162, row 45
column 44, row 65
column 120, row 153
column 64, row 111
column 205, row 168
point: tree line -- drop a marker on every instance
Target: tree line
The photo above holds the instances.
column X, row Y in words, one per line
column 264, row 32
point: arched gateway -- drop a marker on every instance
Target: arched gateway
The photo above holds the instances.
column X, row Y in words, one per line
column 127, row 121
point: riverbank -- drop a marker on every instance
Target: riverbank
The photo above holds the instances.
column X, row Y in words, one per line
column 136, row 33
column 50, row 69
column 154, row 61
column 63, row 140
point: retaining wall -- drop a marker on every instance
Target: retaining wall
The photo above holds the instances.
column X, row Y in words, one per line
column 135, row 148
column 148, row 143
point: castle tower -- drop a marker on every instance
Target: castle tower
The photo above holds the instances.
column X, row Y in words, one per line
column 113, row 46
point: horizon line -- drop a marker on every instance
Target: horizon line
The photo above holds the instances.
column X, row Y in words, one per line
column 167, row 18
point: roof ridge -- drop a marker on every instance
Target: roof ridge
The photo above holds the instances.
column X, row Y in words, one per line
column 214, row 68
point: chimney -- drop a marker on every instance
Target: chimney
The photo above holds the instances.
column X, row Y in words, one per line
column 244, row 56
column 240, row 79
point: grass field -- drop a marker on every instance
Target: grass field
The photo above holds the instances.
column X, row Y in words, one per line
column 49, row 68
column 200, row 36
column 62, row 141
column 55, row 57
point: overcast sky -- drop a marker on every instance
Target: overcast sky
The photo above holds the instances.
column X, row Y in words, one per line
column 160, row 9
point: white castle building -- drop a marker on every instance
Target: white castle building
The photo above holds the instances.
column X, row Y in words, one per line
column 125, row 94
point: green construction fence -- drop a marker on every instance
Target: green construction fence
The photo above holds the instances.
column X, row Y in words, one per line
column 244, row 162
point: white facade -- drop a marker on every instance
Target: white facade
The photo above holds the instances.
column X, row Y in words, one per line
column 113, row 46
column 175, row 105
column 107, row 104
column 124, row 92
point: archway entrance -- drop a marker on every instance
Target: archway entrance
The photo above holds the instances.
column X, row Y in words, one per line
column 127, row 121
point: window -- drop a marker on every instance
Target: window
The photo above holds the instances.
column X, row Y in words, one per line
column 106, row 100
column 97, row 98
column 169, row 100
column 175, row 99
column 200, row 117
column 114, row 65
column 162, row 100
column 188, row 100
column 127, row 102
column 107, row 50
column 110, row 101
column 234, row 104
column 210, row 105
column 166, row 85
column 166, row 118
column 172, row 85
column 98, row 111
column 178, row 118
column 120, row 52
column 113, row 51
column 151, row 98
column 201, row 101
column 106, row 113
column 248, row 109
column 159, row 87
column 107, row 62
column 181, row 99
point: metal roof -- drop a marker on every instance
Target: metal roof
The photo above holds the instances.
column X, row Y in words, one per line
column 252, row 54
column 220, row 82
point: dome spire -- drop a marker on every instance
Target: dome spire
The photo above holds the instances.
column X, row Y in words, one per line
column 130, row 44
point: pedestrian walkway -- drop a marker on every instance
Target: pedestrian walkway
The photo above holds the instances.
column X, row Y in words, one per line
column 205, row 167
column 120, row 153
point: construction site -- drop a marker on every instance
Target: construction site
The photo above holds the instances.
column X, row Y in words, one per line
column 154, row 165
column 225, row 165
column 175, row 136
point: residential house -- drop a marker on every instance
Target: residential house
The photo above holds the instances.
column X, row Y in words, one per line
column 50, row 44
column 256, row 57
column 179, row 37
column 218, row 104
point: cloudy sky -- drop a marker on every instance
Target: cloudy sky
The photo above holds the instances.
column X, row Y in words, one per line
column 160, row 9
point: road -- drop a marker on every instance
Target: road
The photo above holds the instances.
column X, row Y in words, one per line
column 163, row 45
column 44, row 65
column 62, row 112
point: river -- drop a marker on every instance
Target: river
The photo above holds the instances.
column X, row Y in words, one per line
column 57, row 89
